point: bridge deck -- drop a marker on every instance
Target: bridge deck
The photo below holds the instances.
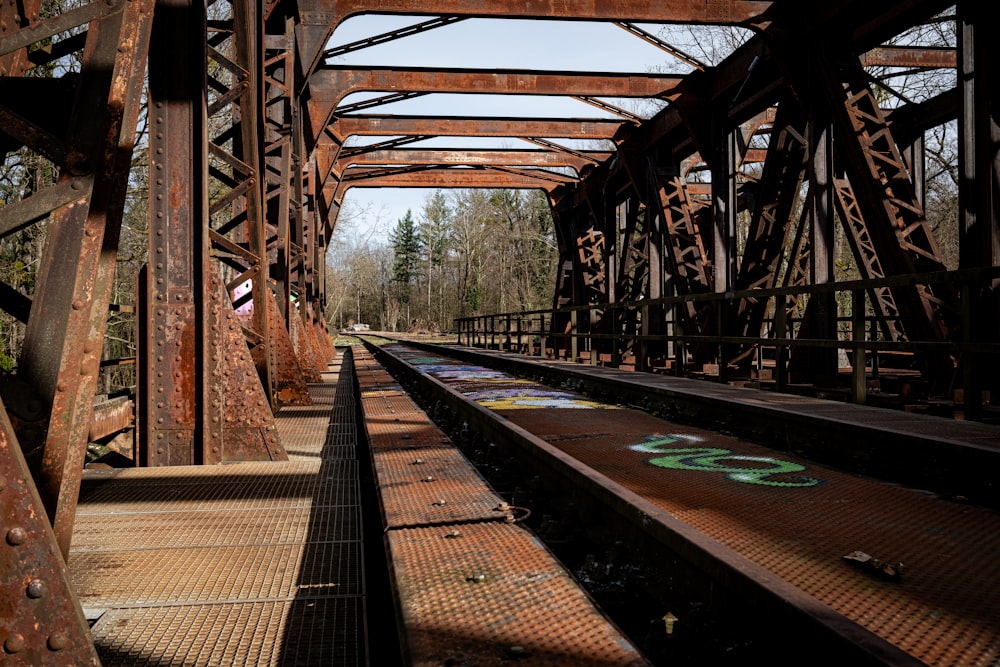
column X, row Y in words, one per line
column 780, row 512
column 249, row 563
column 952, row 457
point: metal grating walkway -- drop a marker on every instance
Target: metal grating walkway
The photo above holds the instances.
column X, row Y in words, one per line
column 239, row 564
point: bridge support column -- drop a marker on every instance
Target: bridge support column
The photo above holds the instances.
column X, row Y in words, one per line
column 200, row 396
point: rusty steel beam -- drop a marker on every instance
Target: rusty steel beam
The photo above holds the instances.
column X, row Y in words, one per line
column 923, row 58
column 445, row 178
column 457, row 156
column 329, row 85
column 42, row 621
column 392, row 35
column 201, row 397
column 18, row 23
column 344, row 127
column 64, row 336
column 319, row 18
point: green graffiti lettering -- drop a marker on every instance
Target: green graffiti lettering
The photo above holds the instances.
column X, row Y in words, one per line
column 710, row 459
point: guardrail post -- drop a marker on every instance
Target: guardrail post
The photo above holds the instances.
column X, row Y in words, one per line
column 593, row 342
column 859, row 379
column 971, row 401
column 641, row 346
column 574, row 343
column 781, row 332
column 680, row 350
column 542, row 338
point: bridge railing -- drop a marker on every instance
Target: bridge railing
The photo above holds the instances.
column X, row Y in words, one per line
column 648, row 335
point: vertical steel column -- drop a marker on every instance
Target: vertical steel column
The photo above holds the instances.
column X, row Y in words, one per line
column 724, row 209
column 823, row 307
column 201, row 398
column 979, row 190
column 724, row 168
column 171, row 344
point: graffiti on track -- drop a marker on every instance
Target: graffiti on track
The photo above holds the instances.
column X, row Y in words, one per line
column 762, row 470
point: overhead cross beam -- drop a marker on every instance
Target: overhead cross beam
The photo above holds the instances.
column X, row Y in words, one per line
column 330, row 85
column 344, row 127
column 319, row 18
column 457, row 156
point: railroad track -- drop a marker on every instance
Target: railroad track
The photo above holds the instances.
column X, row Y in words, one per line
column 709, row 548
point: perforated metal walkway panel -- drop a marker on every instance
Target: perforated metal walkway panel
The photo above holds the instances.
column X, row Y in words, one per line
column 241, row 564
column 473, row 586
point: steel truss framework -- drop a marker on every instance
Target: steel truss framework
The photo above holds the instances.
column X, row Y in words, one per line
column 247, row 138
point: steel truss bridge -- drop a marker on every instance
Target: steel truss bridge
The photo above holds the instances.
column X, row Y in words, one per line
column 248, row 140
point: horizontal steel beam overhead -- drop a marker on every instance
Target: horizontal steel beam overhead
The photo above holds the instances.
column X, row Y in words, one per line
column 330, row 85
column 638, row 11
column 910, row 57
column 344, row 127
column 319, row 18
column 461, row 156
column 445, row 177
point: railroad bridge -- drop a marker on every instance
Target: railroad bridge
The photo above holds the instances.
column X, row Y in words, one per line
column 234, row 118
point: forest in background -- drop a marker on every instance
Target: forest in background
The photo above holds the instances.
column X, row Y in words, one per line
column 463, row 252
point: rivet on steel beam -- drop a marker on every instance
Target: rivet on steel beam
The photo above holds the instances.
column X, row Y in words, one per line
column 16, row 536
column 14, row 643
column 36, row 589
column 159, row 450
column 58, row 642
column 78, row 304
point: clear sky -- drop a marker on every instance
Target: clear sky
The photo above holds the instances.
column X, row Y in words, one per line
column 491, row 44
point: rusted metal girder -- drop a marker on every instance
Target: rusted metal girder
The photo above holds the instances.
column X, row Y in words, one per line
column 41, row 622
column 64, row 336
column 447, row 178
column 344, row 127
column 778, row 194
column 17, row 26
column 979, row 194
column 465, row 157
column 201, row 396
column 329, row 85
column 319, row 18
column 917, row 58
